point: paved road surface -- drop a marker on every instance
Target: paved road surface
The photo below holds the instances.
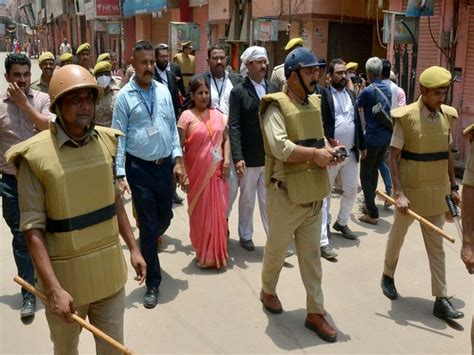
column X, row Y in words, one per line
column 205, row 311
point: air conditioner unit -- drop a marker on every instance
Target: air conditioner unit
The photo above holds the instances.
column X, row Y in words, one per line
column 79, row 7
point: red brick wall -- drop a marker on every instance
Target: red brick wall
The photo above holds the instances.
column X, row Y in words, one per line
column 200, row 15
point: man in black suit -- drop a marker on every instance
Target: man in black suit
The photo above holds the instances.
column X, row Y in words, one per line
column 342, row 126
column 167, row 78
column 221, row 84
column 247, row 142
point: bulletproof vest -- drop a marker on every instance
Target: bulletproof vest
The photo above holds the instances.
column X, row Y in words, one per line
column 81, row 236
column 423, row 165
column 306, row 182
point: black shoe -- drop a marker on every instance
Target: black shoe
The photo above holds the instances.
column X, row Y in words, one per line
column 177, row 199
column 345, row 231
column 444, row 309
column 247, row 244
column 28, row 307
column 289, row 253
column 150, row 299
column 388, row 287
column 327, row 252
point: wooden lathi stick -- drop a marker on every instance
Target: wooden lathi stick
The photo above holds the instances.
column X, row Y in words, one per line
column 83, row 323
column 420, row 219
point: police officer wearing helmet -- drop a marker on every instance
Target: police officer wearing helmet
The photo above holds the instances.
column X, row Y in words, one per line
column 71, row 214
column 422, row 169
column 296, row 161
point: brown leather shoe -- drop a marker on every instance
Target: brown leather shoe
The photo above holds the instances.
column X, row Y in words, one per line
column 318, row 324
column 271, row 303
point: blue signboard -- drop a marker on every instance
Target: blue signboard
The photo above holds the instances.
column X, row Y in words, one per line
column 137, row 7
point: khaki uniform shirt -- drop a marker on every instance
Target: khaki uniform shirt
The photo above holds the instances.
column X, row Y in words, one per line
column 31, row 196
column 278, row 76
column 104, row 108
column 40, row 85
column 469, row 171
column 15, row 126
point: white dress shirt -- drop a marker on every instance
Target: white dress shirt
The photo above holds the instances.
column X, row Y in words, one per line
column 344, row 129
column 260, row 88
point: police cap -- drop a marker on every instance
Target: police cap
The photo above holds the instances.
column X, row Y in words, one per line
column 435, row 77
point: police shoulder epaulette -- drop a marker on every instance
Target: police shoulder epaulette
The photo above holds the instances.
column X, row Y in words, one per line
column 449, row 111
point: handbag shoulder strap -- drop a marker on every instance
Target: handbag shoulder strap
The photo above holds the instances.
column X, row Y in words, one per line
column 385, row 97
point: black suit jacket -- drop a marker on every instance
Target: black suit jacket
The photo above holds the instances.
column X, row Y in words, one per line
column 329, row 121
column 176, row 70
column 172, row 86
column 246, row 139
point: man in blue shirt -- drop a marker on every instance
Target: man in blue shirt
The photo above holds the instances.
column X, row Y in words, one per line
column 377, row 137
column 149, row 155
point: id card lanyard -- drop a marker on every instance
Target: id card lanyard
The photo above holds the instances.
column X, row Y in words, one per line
column 222, row 90
column 142, row 99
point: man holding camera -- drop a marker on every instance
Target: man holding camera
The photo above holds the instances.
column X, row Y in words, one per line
column 342, row 125
column 296, row 160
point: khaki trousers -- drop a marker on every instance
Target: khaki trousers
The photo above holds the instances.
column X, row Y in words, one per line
column 304, row 223
column 433, row 244
column 105, row 314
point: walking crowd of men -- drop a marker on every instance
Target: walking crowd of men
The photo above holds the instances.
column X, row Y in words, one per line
column 80, row 137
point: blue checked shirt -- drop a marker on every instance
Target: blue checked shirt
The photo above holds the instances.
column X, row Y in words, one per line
column 150, row 131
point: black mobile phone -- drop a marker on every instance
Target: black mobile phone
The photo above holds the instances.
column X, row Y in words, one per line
column 356, row 80
column 341, row 152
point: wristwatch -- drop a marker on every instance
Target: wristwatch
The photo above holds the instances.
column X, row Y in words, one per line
column 455, row 187
column 120, row 177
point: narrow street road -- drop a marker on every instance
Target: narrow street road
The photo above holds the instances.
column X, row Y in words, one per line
column 206, row 311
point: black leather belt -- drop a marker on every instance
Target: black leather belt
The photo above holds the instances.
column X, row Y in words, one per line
column 80, row 222
column 424, row 156
column 156, row 162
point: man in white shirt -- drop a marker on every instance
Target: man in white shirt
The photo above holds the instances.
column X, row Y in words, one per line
column 247, row 142
column 342, row 126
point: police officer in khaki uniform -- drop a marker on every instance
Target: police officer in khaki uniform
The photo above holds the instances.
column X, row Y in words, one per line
column 84, row 56
column 422, row 169
column 278, row 73
column 47, row 64
column 296, row 160
column 65, row 59
column 467, row 250
column 71, row 214
column 186, row 62
column 104, row 108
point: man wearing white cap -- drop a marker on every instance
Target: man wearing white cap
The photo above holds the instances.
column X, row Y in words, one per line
column 247, row 142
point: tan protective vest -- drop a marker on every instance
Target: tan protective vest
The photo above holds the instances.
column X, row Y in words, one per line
column 425, row 183
column 306, row 182
column 88, row 262
column 186, row 64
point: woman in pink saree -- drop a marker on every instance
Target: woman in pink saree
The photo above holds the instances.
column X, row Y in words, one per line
column 203, row 135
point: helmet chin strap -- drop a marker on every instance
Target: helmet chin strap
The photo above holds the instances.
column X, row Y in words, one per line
column 305, row 88
column 60, row 121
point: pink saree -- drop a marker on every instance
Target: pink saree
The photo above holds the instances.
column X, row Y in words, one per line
column 207, row 195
